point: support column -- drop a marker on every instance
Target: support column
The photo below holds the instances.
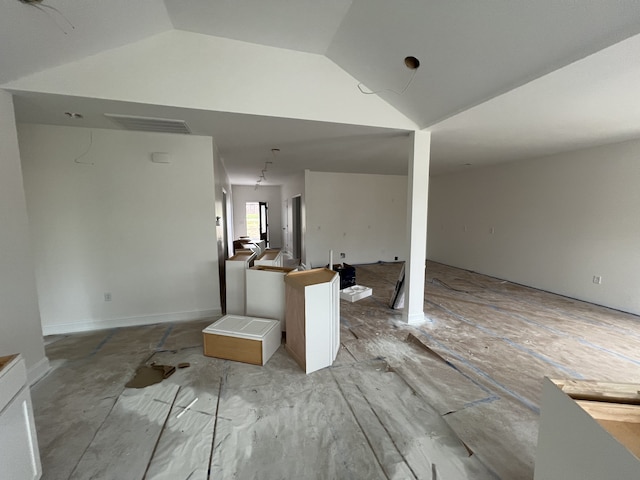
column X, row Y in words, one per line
column 417, row 191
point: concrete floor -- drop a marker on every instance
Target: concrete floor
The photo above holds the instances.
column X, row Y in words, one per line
column 455, row 398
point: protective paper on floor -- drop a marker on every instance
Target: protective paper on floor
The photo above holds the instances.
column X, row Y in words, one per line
column 334, row 423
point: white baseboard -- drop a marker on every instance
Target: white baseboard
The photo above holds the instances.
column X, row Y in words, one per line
column 37, row 371
column 86, row 326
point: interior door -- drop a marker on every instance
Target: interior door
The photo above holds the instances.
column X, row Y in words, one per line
column 264, row 222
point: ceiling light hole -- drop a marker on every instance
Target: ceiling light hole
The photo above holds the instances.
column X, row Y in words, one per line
column 75, row 115
column 412, row 63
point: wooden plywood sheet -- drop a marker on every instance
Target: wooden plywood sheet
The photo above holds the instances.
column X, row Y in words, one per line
column 310, row 277
column 601, row 391
column 294, row 319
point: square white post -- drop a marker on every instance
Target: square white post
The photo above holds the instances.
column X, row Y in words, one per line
column 417, row 192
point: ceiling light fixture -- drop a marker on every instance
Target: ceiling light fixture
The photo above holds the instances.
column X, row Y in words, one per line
column 263, row 175
column 412, row 63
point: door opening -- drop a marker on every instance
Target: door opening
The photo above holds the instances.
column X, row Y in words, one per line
column 257, row 221
column 296, row 218
column 264, row 223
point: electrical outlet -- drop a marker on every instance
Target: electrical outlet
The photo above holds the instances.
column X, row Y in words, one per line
column 492, row 230
column 395, row 258
column 597, row 279
column 342, row 255
column 107, row 297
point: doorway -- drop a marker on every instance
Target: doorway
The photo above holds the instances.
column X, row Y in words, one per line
column 296, row 220
column 257, row 221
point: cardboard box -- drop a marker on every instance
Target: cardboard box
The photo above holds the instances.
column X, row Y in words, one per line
column 355, row 293
column 242, row 339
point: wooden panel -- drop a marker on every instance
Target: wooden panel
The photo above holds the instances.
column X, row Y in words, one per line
column 294, row 318
column 6, row 360
column 232, row 348
column 601, row 391
column 128, row 435
column 242, row 256
column 309, row 277
column 272, row 268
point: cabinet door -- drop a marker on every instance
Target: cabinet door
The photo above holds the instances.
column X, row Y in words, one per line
column 19, row 457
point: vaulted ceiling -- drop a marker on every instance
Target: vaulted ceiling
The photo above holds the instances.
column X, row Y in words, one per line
column 499, row 80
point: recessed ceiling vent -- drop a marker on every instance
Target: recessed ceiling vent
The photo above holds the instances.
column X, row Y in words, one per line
column 149, row 124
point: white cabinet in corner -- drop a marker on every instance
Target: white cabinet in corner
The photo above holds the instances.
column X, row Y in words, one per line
column 313, row 317
column 235, row 268
column 589, row 430
column 19, row 456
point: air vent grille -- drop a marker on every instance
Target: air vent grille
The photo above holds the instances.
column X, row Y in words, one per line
column 149, row 124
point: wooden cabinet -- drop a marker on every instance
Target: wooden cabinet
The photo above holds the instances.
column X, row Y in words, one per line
column 312, row 316
column 19, row 456
column 271, row 257
column 588, row 431
column 266, row 293
column 242, row 339
column 235, row 269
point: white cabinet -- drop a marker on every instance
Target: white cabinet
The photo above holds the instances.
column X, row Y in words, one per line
column 589, row 430
column 265, row 292
column 242, row 339
column 312, row 316
column 271, row 257
column 235, row 268
column 19, row 456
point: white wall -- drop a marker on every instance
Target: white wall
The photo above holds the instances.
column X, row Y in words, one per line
column 225, row 229
column 20, row 330
column 270, row 194
column 142, row 231
column 362, row 215
column 293, row 187
column 558, row 222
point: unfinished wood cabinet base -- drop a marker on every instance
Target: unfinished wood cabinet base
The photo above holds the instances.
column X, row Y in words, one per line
column 588, row 431
column 242, row 339
column 313, row 317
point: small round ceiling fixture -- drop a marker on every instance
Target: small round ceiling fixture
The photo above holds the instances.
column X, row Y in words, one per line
column 77, row 116
column 412, row 63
